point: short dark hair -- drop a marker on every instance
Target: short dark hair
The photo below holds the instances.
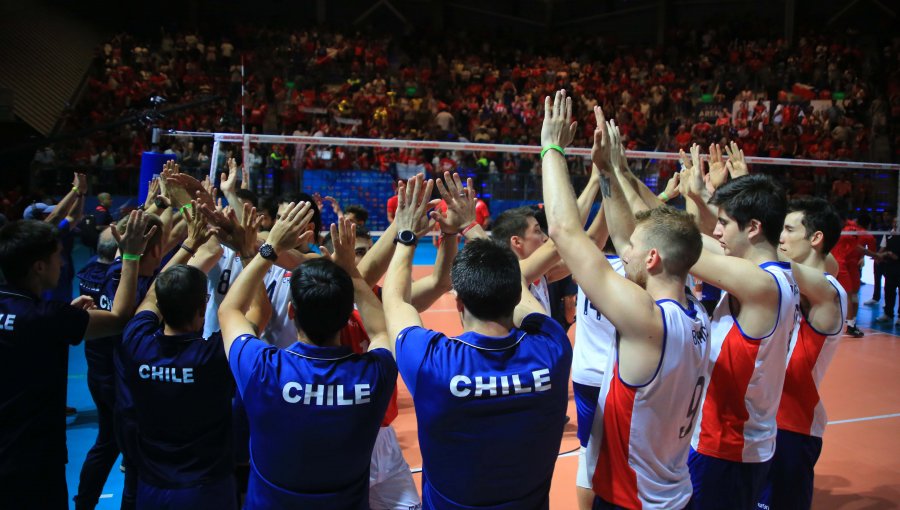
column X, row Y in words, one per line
column 674, row 234
column 359, row 211
column 247, row 196
column 268, row 204
column 819, row 216
column 180, row 294
column 322, row 295
column 487, row 278
column 754, row 197
column 361, row 233
column 511, row 222
column 22, row 243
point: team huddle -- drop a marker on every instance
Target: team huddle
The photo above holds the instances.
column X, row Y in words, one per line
column 237, row 360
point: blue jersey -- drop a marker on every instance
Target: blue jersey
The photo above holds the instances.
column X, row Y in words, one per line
column 181, row 387
column 314, row 414
column 91, row 279
column 34, row 356
column 491, row 412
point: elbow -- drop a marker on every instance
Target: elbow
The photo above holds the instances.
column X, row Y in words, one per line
column 561, row 230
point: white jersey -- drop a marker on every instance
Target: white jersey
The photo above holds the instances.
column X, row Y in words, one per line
column 219, row 280
column 737, row 419
column 595, row 337
column 801, row 409
column 640, row 436
column 541, row 292
column 281, row 331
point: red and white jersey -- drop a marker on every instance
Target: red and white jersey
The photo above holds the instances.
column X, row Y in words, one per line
column 811, row 351
column 595, row 337
column 639, row 441
column 737, row 418
column 541, row 291
column 281, row 331
column 219, row 280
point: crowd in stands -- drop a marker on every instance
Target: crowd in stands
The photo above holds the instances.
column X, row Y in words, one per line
column 701, row 87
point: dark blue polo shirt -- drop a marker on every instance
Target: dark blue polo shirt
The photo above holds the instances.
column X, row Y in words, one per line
column 35, row 336
column 314, row 414
column 181, row 389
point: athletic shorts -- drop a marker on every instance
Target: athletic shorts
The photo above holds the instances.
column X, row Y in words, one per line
column 585, row 406
column 214, row 496
column 391, row 485
column 600, row 504
column 723, row 484
column 790, row 481
column 849, row 280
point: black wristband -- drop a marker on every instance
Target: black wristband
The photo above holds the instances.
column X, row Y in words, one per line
column 189, row 250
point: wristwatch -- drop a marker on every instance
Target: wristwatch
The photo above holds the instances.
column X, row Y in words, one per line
column 267, row 252
column 407, row 237
column 159, row 202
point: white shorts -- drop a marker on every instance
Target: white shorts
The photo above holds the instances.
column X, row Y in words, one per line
column 583, row 479
column 391, row 485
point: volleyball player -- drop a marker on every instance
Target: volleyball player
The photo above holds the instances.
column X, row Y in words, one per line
column 34, row 341
column 180, row 383
column 639, row 445
column 734, row 439
column 490, row 403
column 811, row 228
column 315, row 407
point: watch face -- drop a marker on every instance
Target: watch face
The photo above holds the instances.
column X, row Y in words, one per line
column 407, row 236
column 266, row 251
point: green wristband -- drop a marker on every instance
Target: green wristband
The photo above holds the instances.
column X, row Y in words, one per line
column 664, row 196
column 185, row 206
column 554, row 147
column 130, row 256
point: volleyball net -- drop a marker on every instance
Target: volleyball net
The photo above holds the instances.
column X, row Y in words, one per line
column 505, row 174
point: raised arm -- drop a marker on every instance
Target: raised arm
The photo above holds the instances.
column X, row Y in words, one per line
column 397, row 292
column 695, row 192
column 132, row 243
column 343, row 238
column 65, row 205
column 228, row 187
column 244, row 290
column 632, row 310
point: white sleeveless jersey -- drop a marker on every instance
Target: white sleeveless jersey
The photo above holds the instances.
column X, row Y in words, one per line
column 595, row 337
column 281, row 331
column 639, row 441
column 737, row 419
column 219, row 280
column 541, row 292
column 811, row 351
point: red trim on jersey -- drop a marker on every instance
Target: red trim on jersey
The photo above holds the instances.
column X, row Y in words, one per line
column 801, row 396
column 724, row 410
column 614, row 479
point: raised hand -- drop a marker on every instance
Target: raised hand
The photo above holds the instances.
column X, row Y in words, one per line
column 84, row 303
column 718, row 173
column 228, row 180
column 736, row 164
column 335, row 206
column 152, row 192
column 412, row 203
column 288, row 229
column 461, row 202
column 672, row 187
column 245, row 177
column 198, row 231
column 79, row 181
column 343, row 238
column 246, row 231
column 133, row 240
column 558, row 127
column 600, row 152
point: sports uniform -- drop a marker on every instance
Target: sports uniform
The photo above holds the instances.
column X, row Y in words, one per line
column 490, row 411
column 594, row 341
column 640, row 439
column 541, row 291
column 181, row 387
column 735, row 435
column 801, row 415
column 35, row 336
column 219, row 280
column 281, row 330
column 314, row 415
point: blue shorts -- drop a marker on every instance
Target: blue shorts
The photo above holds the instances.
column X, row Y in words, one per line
column 214, row 496
column 585, row 407
column 600, row 504
column 726, row 485
column 790, row 481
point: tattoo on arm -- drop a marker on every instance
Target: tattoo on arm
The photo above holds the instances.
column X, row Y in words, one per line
column 604, row 186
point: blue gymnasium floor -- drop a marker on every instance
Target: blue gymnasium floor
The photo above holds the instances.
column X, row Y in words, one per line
column 82, row 433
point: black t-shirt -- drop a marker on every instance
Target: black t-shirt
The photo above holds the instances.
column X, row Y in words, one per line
column 35, row 336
